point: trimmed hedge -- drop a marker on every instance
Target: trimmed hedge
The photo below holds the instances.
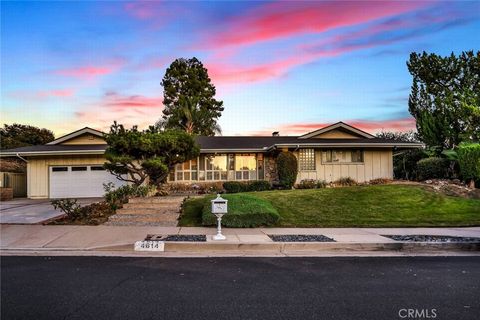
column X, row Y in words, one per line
column 287, row 169
column 469, row 161
column 239, row 186
column 244, row 211
column 432, row 168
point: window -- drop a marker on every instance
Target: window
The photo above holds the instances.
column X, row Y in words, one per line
column 79, row 168
column 186, row 171
column 342, row 156
column 245, row 167
column 58, row 169
column 97, row 168
column 306, row 159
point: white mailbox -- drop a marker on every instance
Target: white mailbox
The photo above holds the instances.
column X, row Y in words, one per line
column 219, row 208
column 219, row 205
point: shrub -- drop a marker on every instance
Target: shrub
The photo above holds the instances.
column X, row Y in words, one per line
column 321, row 184
column 379, row 181
column 244, row 211
column 432, row 168
column 287, row 169
column 405, row 164
column 345, row 181
column 243, row 186
column 469, row 160
column 235, row 186
column 70, row 207
column 259, row 185
column 306, row 184
column 117, row 197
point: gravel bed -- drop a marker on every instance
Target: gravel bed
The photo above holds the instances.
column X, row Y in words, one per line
column 300, row 238
column 425, row 238
column 177, row 237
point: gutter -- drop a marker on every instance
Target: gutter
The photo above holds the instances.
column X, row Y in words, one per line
column 20, row 157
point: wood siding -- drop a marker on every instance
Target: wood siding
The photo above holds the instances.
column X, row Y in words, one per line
column 85, row 139
column 336, row 134
column 378, row 163
column 37, row 171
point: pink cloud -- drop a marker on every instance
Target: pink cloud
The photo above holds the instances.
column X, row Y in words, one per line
column 114, row 100
column 279, row 20
column 402, row 124
column 84, row 72
column 57, row 93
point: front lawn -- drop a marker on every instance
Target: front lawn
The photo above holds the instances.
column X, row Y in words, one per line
column 360, row 206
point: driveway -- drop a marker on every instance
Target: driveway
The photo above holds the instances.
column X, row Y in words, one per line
column 32, row 211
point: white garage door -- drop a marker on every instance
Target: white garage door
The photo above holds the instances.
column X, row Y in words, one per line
column 79, row 181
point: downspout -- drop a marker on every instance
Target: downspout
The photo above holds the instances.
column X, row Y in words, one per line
column 20, row 157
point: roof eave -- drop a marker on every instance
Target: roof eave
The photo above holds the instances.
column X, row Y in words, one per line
column 53, row 153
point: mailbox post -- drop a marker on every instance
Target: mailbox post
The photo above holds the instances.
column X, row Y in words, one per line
column 219, row 208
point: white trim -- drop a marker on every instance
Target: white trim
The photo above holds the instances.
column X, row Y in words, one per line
column 55, row 153
column 335, row 126
column 76, row 134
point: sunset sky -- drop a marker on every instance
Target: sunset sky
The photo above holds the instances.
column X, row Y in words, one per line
column 278, row 66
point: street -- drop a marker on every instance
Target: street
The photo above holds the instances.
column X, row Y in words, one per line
column 240, row 288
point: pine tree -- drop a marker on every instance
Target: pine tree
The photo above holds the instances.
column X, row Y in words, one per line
column 189, row 99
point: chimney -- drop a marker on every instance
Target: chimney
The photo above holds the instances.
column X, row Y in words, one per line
column 275, row 134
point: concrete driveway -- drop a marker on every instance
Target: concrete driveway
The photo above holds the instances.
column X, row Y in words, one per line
column 30, row 211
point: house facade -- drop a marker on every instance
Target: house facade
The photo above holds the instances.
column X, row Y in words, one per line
column 71, row 166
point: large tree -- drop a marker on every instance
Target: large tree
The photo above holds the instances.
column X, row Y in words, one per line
column 189, row 99
column 445, row 98
column 134, row 155
column 20, row 135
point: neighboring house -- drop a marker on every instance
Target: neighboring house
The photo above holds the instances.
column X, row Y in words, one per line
column 71, row 166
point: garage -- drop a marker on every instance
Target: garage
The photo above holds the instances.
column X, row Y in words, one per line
column 79, row 181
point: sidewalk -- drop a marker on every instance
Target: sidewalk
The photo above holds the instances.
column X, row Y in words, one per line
column 110, row 240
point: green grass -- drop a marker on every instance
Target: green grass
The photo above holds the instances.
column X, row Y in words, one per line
column 244, row 211
column 362, row 206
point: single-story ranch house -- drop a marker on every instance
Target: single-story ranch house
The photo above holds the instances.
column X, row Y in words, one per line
column 71, row 166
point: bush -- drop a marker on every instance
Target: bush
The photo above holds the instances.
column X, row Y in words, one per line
column 93, row 214
column 241, row 186
column 345, row 182
column 244, row 211
column 70, row 207
column 432, row 168
column 259, row 185
column 469, row 161
column 235, row 187
column 405, row 164
column 311, row 184
column 117, row 197
column 287, row 169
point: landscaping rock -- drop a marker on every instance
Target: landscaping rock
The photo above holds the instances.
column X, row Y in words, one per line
column 427, row 238
column 300, row 238
column 177, row 237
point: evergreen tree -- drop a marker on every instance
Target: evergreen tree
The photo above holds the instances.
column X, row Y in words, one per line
column 189, row 99
column 445, row 98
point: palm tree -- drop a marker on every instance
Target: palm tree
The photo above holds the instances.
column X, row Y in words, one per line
column 191, row 118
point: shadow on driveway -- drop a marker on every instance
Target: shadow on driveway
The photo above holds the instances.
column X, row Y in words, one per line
column 32, row 211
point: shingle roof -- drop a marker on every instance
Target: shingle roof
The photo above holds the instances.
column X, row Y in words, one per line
column 218, row 143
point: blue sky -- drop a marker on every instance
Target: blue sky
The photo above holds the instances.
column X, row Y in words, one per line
column 278, row 66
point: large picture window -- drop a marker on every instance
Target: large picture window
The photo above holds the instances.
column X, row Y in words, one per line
column 342, row 156
column 306, row 159
column 219, row 167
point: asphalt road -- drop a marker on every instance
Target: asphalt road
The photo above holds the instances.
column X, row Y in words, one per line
column 240, row 288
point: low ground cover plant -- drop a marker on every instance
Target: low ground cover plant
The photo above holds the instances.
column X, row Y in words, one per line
column 244, row 211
